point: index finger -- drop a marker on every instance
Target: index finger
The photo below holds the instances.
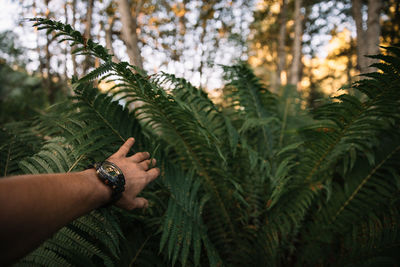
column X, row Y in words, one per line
column 124, row 149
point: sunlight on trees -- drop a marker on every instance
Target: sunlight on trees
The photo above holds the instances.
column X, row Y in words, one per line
column 334, row 71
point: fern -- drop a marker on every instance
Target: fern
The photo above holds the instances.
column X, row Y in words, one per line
column 20, row 141
column 183, row 221
column 241, row 183
column 347, row 126
column 257, row 104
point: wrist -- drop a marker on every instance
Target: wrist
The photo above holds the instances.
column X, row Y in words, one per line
column 100, row 193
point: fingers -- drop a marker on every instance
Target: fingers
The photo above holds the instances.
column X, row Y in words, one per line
column 139, row 203
column 152, row 174
column 145, row 165
column 124, row 149
column 140, row 156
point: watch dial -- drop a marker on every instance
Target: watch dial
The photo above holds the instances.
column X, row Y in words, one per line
column 111, row 170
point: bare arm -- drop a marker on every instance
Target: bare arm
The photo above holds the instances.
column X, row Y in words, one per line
column 33, row 207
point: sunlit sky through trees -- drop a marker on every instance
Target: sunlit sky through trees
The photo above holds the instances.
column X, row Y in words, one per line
column 155, row 61
column 317, row 46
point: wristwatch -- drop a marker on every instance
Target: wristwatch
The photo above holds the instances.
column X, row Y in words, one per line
column 112, row 176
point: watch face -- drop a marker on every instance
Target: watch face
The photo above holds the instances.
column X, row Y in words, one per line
column 111, row 170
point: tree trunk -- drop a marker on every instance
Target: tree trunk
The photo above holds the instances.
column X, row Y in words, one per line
column 297, row 44
column 129, row 35
column 374, row 29
column 361, row 39
column 73, row 57
column 49, row 79
column 202, row 52
column 66, row 46
column 394, row 40
column 38, row 50
column 367, row 39
column 87, row 33
column 109, row 40
column 281, row 43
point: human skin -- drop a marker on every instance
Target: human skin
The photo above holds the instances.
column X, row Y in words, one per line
column 33, row 207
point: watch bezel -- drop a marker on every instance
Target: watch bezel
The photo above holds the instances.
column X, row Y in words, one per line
column 115, row 182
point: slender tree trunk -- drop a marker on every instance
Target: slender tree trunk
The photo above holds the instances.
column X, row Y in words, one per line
column 396, row 25
column 66, row 46
column 361, row 38
column 374, row 29
column 129, row 34
column 367, row 39
column 297, row 44
column 87, row 33
column 109, row 39
column 350, row 61
column 202, row 52
column 38, row 50
column 49, row 81
column 281, row 43
column 73, row 57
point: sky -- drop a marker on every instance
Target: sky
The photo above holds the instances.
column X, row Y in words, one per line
column 7, row 14
column 9, row 19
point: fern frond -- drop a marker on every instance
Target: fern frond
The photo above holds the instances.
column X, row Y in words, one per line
column 52, row 158
column 189, row 139
column 42, row 257
column 97, row 226
column 98, row 72
column 254, row 101
column 102, row 123
column 183, row 227
column 18, row 141
column 373, row 239
column 347, row 126
column 82, row 43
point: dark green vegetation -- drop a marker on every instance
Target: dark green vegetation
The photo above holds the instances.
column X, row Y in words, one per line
column 251, row 183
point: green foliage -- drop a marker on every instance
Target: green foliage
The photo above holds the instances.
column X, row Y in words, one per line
column 183, row 220
column 19, row 140
column 10, row 50
column 21, row 95
column 242, row 184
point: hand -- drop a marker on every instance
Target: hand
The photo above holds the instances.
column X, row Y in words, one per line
column 137, row 172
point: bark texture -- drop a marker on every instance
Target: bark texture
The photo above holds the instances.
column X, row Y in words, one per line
column 281, row 42
column 109, row 39
column 374, row 28
column 367, row 38
column 297, row 44
column 87, row 33
column 361, row 48
column 66, row 46
column 73, row 57
column 129, row 34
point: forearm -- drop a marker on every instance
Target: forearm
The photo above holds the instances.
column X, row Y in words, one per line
column 33, row 207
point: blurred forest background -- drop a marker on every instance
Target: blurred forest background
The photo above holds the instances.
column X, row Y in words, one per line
column 317, row 46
